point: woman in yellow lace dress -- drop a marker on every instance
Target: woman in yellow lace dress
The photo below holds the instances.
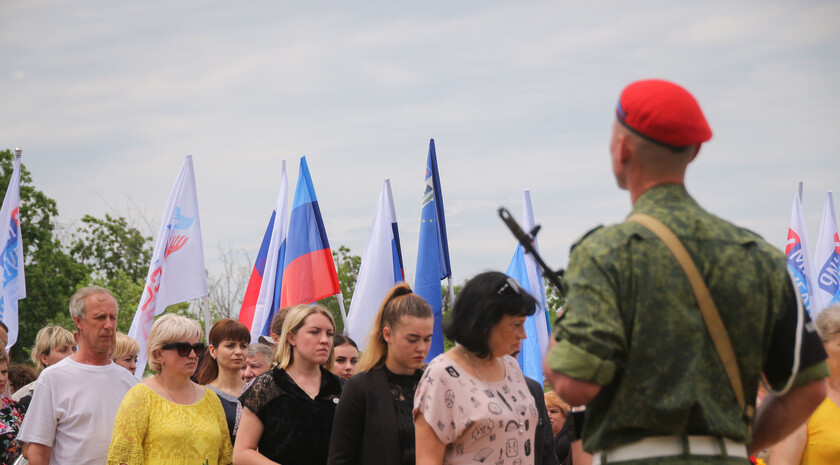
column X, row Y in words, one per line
column 167, row 418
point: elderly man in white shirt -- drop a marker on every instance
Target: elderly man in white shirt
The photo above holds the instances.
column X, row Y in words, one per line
column 71, row 416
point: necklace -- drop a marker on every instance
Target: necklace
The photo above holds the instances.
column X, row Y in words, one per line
column 478, row 372
column 192, row 399
column 307, row 391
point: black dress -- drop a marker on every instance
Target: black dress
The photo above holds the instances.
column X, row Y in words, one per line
column 296, row 428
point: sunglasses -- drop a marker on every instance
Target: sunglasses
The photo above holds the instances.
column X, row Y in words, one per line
column 184, row 348
column 509, row 286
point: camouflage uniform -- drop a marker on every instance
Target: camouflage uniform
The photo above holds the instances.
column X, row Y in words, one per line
column 632, row 325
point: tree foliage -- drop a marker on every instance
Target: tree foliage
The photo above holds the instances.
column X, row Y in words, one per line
column 111, row 248
column 347, row 267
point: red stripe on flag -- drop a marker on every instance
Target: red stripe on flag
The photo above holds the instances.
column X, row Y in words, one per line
column 309, row 278
column 249, row 302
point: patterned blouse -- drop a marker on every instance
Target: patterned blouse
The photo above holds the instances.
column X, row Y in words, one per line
column 11, row 416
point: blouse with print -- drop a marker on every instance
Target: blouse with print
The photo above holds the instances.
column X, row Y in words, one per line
column 296, row 427
column 11, row 416
column 152, row 430
column 480, row 422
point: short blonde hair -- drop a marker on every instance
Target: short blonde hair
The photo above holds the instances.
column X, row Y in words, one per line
column 828, row 322
column 125, row 345
column 48, row 338
column 166, row 329
column 284, row 356
column 552, row 399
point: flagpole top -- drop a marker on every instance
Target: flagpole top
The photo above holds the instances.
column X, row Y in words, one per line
column 18, row 152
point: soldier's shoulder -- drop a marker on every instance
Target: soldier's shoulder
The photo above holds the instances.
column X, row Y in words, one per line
column 603, row 237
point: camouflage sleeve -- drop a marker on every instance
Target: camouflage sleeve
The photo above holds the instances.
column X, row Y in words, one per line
column 590, row 335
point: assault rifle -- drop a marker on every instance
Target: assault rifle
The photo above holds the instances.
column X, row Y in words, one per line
column 526, row 240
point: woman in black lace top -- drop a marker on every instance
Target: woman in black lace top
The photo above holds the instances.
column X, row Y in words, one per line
column 373, row 423
column 287, row 412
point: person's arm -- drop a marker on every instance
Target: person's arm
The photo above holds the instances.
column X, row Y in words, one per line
column 38, row 454
column 789, row 450
column 349, row 423
column 428, row 448
column 779, row 416
column 573, row 391
column 245, row 449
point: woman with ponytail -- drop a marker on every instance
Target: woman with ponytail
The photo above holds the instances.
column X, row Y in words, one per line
column 221, row 369
column 373, row 422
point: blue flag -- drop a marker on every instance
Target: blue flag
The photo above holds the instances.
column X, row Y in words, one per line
column 432, row 251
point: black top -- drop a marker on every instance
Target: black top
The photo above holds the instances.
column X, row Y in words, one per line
column 296, row 428
column 544, row 453
column 232, row 408
column 373, row 422
column 564, row 439
column 402, row 389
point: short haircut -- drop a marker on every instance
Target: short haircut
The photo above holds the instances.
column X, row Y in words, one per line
column 20, row 375
column 223, row 330
column 77, row 300
column 166, row 329
column 284, row 357
column 398, row 303
column 48, row 338
column 828, row 322
column 552, row 399
column 3, row 325
column 482, row 303
column 277, row 321
column 261, row 349
column 125, row 345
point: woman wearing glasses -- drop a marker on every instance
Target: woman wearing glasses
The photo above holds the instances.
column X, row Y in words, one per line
column 287, row 412
column 473, row 404
column 167, row 418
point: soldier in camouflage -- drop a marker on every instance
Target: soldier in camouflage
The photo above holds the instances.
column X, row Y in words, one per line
column 632, row 343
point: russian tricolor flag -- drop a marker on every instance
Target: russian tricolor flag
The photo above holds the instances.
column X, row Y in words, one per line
column 308, row 271
column 262, row 297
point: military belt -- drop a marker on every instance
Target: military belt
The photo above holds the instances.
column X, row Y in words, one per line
column 672, row 446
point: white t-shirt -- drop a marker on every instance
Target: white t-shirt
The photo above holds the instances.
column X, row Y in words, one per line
column 73, row 409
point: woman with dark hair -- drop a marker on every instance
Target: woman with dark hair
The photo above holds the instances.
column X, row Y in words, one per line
column 473, row 404
column 221, row 369
column 11, row 416
column 288, row 411
column 373, row 422
column 346, row 356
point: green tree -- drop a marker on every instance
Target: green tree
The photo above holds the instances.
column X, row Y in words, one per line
column 111, row 248
column 347, row 267
column 52, row 275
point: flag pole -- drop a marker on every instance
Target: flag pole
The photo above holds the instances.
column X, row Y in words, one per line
column 451, row 292
column 207, row 326
column 343, row 312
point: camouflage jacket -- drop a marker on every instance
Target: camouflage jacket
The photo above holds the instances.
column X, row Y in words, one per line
column 632, row 324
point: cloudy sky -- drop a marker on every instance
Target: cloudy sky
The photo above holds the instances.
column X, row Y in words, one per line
column 106, row 98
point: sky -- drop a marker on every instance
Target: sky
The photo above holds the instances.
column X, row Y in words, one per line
column 107, row 98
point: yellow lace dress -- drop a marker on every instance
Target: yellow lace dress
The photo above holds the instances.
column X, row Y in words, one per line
column 151, row 430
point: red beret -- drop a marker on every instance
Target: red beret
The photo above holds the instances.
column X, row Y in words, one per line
column 663, row 112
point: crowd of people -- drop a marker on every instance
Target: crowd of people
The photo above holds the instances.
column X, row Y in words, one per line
column 672, row 322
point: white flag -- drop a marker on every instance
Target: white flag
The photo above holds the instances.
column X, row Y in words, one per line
column 827, row 258
column 268, row 300
column 177, row 272
column 14, row 284
column 380, row 270
column 798, row 255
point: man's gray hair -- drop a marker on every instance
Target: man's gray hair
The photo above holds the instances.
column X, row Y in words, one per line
column 77, row 301
column 264, row 349
column 828, row 322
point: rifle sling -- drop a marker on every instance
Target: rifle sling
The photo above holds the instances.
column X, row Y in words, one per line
column 708, row 309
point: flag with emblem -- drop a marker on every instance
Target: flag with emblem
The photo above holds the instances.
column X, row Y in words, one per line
column 380, row 270
column 262, row 296
column 433, row 250
column 827, row 257
column 798, row 255
column 14, row 283
column 177, row 272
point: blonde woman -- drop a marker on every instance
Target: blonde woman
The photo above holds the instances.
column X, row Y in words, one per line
column 373, row 423
column 167, row 418
column 288, row 411
column 125, row 352
column 52, row 344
